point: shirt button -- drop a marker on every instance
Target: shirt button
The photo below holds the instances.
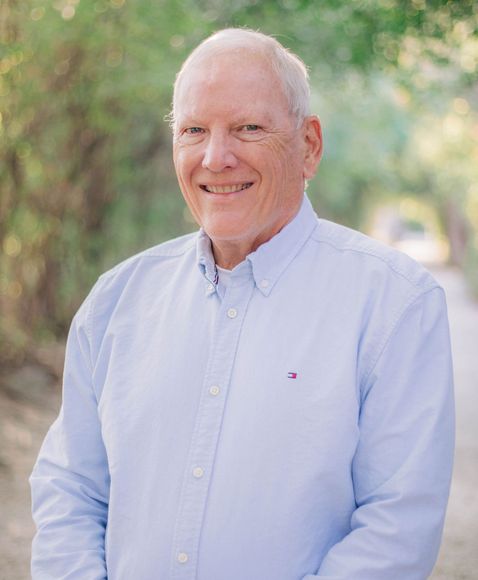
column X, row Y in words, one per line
column 214, row 390
column 264, row 283
column 232, row 313
column 198, row 472
column 182, row 557
column 210, row 287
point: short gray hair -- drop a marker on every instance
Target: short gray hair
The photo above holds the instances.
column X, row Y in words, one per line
column 290, row 69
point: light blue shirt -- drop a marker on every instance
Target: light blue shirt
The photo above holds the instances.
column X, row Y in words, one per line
column 296, row 425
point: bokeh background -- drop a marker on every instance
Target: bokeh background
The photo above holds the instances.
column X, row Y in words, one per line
column 86, row 179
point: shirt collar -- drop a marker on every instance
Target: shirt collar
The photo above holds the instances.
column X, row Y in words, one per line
column 270, row 259
column 205, row 259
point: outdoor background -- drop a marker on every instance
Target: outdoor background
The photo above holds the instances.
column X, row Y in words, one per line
column 86, row 179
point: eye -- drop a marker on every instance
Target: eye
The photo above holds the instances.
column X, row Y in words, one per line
column 193, row 130
column 250, row 132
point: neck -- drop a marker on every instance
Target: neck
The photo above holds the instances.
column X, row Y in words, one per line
column 229, row 254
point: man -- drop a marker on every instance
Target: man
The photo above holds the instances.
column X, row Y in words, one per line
column 269, row 399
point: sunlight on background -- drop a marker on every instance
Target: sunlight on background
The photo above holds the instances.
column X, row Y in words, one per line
column 412, row 227
column 86, row 176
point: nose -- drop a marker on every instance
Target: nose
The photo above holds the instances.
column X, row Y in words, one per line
column 218, row 155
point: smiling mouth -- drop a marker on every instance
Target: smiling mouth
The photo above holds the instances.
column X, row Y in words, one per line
column 226, row 188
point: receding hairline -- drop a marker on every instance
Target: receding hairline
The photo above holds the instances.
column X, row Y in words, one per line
column 225, row 55
column 227, row 41
column 267, row 48
column 232, row 40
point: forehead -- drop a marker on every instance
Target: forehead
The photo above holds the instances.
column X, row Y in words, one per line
column 230, row 84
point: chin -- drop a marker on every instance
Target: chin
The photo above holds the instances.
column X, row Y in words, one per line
column 223, row 231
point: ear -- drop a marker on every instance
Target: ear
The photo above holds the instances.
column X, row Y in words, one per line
column 313, row 145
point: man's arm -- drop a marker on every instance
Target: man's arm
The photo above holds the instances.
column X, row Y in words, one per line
column 70, row 481
column 403, row 463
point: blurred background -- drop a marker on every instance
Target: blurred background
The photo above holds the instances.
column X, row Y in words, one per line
column 86, row 180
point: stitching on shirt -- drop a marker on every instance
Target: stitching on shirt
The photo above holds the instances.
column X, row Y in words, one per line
column 413, row 299
column 155, row 252
column 285, row 263
column 383, row 259
column 88, row 326
column 87, row 306
column 106, row 276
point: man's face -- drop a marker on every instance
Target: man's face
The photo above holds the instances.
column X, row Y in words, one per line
column 239, row 157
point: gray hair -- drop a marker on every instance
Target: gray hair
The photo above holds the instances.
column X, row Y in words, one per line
column 290, row 69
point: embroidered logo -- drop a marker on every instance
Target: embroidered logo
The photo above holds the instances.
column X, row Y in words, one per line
column 291, row 375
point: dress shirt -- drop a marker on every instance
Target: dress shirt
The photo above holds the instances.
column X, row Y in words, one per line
column 296, row 425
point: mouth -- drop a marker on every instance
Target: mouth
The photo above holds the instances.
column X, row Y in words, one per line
column 234, row 188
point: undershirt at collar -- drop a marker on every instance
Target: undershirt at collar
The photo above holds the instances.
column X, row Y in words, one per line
column 224, row 276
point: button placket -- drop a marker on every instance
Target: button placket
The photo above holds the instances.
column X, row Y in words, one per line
column 207, row 429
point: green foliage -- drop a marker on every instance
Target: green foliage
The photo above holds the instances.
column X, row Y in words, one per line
column 86, row 176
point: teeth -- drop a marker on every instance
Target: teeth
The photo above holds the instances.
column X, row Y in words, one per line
column 227, row 188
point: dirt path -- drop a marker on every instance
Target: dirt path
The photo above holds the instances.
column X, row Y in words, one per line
column 458, row 558
column 29, row 401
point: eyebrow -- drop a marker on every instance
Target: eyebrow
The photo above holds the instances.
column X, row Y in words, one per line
column 187, row 121
column 264, row 118
column 260, row 118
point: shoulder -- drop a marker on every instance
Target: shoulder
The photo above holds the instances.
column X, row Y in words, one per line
column 164, row 252
column 379, row 289
column 366, row 257
column 155, row 263
column 162, row 256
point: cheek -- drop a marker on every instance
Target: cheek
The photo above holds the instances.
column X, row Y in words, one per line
column 183, row 175
column 278, row 161
column 180, row 164
column 184, row 162
column 274, row 149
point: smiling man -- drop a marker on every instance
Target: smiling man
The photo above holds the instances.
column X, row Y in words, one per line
column 242, row 181
column 267, row 399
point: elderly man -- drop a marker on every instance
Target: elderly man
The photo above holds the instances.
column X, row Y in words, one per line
column 267, row 399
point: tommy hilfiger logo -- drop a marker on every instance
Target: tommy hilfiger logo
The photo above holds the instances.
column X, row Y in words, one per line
column 291, row 375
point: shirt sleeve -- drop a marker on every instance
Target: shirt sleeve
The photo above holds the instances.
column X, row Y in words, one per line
column 403, row 463
column 70, row 480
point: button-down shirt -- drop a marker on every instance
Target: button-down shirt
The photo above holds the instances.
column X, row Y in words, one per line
column 294, row 424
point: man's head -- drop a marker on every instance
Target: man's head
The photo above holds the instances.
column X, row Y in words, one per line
column 244, row 142
column 289, row 68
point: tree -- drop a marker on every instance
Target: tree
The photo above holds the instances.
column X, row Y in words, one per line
column 85, row 166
